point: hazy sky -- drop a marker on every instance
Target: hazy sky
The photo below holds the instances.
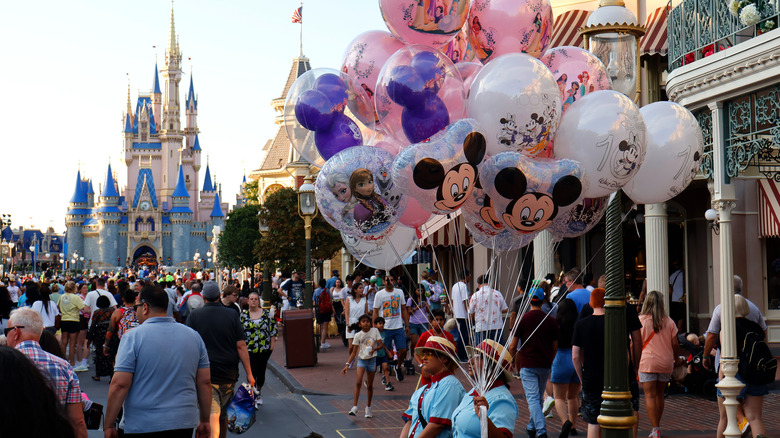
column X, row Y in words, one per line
column 65, row 67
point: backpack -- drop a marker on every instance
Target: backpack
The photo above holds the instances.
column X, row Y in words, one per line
column 325, row 305
column 128, row 321
column 193, row 301
column 756, row 363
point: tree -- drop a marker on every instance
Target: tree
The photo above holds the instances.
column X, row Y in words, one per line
column 237, row 241
column 284, row 245
column 250, row 192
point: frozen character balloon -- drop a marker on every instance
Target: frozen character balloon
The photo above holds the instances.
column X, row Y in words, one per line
column 370, row 209
column 338, row 184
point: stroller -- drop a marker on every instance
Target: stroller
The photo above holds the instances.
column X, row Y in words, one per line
column 699, row 379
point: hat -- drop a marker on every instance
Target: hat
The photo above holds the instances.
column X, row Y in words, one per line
column 169, row 277
column 210, row 291
column 439, row 345
column 230, row 290
column 597, row 298
column 496, row 353
column 536, row 294
column 335, row 272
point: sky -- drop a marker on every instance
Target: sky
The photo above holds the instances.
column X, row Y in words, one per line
column 64, row 79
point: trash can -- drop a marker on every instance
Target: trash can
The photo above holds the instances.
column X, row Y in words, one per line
column 298, row 339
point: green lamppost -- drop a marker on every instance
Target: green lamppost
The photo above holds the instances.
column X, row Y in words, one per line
column 612, row 34
column 263, row 227
column 307, row 209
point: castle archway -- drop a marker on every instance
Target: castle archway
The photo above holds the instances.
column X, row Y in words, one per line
column 145, row 256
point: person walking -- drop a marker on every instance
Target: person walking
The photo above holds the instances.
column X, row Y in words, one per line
column 487, row 306
column 459, row 306
column 82, row 347
column 225, row 342
column 161, row 376
column 338, row 294
column 122, row 320
column 390, row 300
column 366, row 343
column 587, row 354
column 566, row 384
column 752, row 395
column 101, row 320
column 261, row 333
column 49, row 311
column 660, row 353
column 70, row 306
column 355, row 306
column 418, row 307
column 323, row 304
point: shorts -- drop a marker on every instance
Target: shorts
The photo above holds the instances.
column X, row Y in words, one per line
column 563, row 368
column 83, row 323
column 324, row 318
column 381, row 359
column 591, row 407
column 368, row 364
column 221, row 395
column 395, row 337
column 417, row 328
column 654, row 377
column 350, row 334
column 70, row 326
column 750, row 389
column 677, row 311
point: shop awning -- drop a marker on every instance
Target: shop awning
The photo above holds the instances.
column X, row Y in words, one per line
column 768, row 208
column 566, row 30
column 445, row 230
column 654, row 41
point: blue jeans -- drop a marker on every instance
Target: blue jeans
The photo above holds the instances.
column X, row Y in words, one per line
column 534, row 380
column 489, row 334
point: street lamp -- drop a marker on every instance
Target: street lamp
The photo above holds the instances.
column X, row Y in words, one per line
column 81, row 259
column 263, row 227
column 3, row 252
column 34, row 253
column 208, row 258
column 62, row 260
column 612, row 34
column 307, row 209
column 48, row 259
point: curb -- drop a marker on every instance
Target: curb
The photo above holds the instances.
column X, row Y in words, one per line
column 290, row 382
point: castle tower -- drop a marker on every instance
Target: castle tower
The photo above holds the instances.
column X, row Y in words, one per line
column 108, row 216
column 90, row 194
column 78, row 212
column 156, row 95
column 181, row 220
column 217, row 216
column 190, row 155
column 170, row 132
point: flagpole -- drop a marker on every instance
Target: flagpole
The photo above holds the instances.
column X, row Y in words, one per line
column 300, row 37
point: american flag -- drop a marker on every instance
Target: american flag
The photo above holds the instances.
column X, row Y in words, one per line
column 297, row 16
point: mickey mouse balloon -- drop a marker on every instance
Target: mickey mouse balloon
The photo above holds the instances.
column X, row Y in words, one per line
column 528, row 194
column 442, row 172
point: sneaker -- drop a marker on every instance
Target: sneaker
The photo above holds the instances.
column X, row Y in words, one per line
column 368, row 412
column 579, row 411
column 80, row 368
column 389, row 387
column 384, row 380
column 743, row 425
column 565, row 429
column 399, row 375
column 656, row 433
column 259, row 401
column 549, row 415
column 325, row 345
column 353, row 411
column 549, row 403
column 516, row 376
column 531, row 433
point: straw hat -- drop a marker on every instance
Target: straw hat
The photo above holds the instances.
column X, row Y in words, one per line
column 496, row 353
column 439, row 345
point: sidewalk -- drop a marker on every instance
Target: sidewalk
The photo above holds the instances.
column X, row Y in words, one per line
column 684, row 415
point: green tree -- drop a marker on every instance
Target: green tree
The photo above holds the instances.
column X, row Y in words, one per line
column 284, row 245
column 237, row 241
column 250, row 192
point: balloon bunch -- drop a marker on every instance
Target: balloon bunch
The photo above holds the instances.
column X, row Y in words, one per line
column 462, row 109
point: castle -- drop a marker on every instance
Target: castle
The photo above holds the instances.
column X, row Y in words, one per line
column 161, row 217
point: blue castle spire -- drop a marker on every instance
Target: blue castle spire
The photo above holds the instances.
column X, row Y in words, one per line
column 80, row 194
column 217, row 210
column 128, row 123
column 196, row 146
column 181, row 187
column 191, row 95
column 156, row 80
column 207, row 185
column 109, row 190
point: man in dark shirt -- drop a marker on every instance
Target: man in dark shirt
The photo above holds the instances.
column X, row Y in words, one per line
column 230, row 298
column 539, row 336
column 296, row 290
column 223, row 335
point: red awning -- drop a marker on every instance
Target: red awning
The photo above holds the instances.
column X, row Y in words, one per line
column 566, row 30
column 442, row 231
column 654, row 41
column 768, row 208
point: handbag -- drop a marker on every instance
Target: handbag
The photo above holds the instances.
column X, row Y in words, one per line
column 93, row 415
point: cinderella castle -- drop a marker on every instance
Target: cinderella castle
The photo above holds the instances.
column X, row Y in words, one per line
column 162, row 217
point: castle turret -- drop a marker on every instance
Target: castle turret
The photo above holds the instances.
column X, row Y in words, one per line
column 78, row 212
column 157, row 95
column 90, row 193
column 217, row 216
column 181, row 220
column 108, row 215
column 171, row 138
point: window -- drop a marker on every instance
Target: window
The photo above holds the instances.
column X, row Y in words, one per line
column 773, row 273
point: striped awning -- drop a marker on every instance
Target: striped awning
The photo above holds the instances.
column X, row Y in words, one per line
column 654, row 41
column 445, row 230
column 768, row 208
column 566, row 30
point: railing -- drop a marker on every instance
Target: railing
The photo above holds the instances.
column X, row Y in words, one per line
column 700, row 28
column 752, row 133
column 704, row 117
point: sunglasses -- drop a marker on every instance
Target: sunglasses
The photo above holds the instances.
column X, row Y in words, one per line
column 7, row 330
column 136, row 306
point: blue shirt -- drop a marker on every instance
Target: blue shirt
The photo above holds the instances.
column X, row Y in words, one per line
column 439, row 400
column 331, row 282
column 502, row 411
column 581, row 297
column 164, row 357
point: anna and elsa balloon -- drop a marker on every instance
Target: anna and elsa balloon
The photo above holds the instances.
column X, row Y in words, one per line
column 355, row 192
column 577, row 72
column 498, row 27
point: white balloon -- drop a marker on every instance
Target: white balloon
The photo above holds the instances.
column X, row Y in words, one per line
column 674, row 152
column 517, row 102
column 605, row 132
column 384, row 253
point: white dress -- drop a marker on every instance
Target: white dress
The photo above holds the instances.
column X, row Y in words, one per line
column 356, row 310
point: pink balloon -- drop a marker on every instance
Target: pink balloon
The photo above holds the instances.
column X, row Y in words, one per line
column 430, row 22
column 414, row 215
column 459, row 49
column 497, row 27
column 365, row 56
column 577, row 72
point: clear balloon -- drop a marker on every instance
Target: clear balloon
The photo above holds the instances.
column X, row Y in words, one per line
column 355, row 192
column 498, row 27
column 429, row 22
column 528, row 194
column 459, row 49
column 468, row 71
column 441, row 173
column 414, row 215
column 326, row 111
column 577, row 72
column 385, row 253
column 365, row 56
column 418, row 93
column 580, row 219
column 485, row 226
column 605, row 132
column 674, row 152
column 516, row 102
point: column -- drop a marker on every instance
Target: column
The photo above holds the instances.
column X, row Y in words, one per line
column 657, row 249
column 544, row 256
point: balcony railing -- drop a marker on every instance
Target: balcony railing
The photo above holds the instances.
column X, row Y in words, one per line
column 752, row 133
column 700, row 28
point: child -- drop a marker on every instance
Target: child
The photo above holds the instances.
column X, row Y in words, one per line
column 437, row 329
column 381, row 355
column 365, row 345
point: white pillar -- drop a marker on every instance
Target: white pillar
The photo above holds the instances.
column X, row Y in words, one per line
column 657, row 248
column 544, row 256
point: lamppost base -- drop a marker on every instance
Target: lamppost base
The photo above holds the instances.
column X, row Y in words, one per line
column 730, row 388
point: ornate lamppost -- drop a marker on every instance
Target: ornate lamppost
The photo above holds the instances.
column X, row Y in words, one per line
column 62, row 260
column 34, row 253
column 612, row 34
column 307, row 209
column 263, row 227
column 3, row 251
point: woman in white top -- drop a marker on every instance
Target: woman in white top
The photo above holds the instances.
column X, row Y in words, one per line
column 355, row 306
column 48, row 310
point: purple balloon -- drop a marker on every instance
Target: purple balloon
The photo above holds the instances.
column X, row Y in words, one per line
column 422, row 124
column 429, row 67
column 333, row 87
column 313, row 110
column 405, row 87
column 344, row 133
